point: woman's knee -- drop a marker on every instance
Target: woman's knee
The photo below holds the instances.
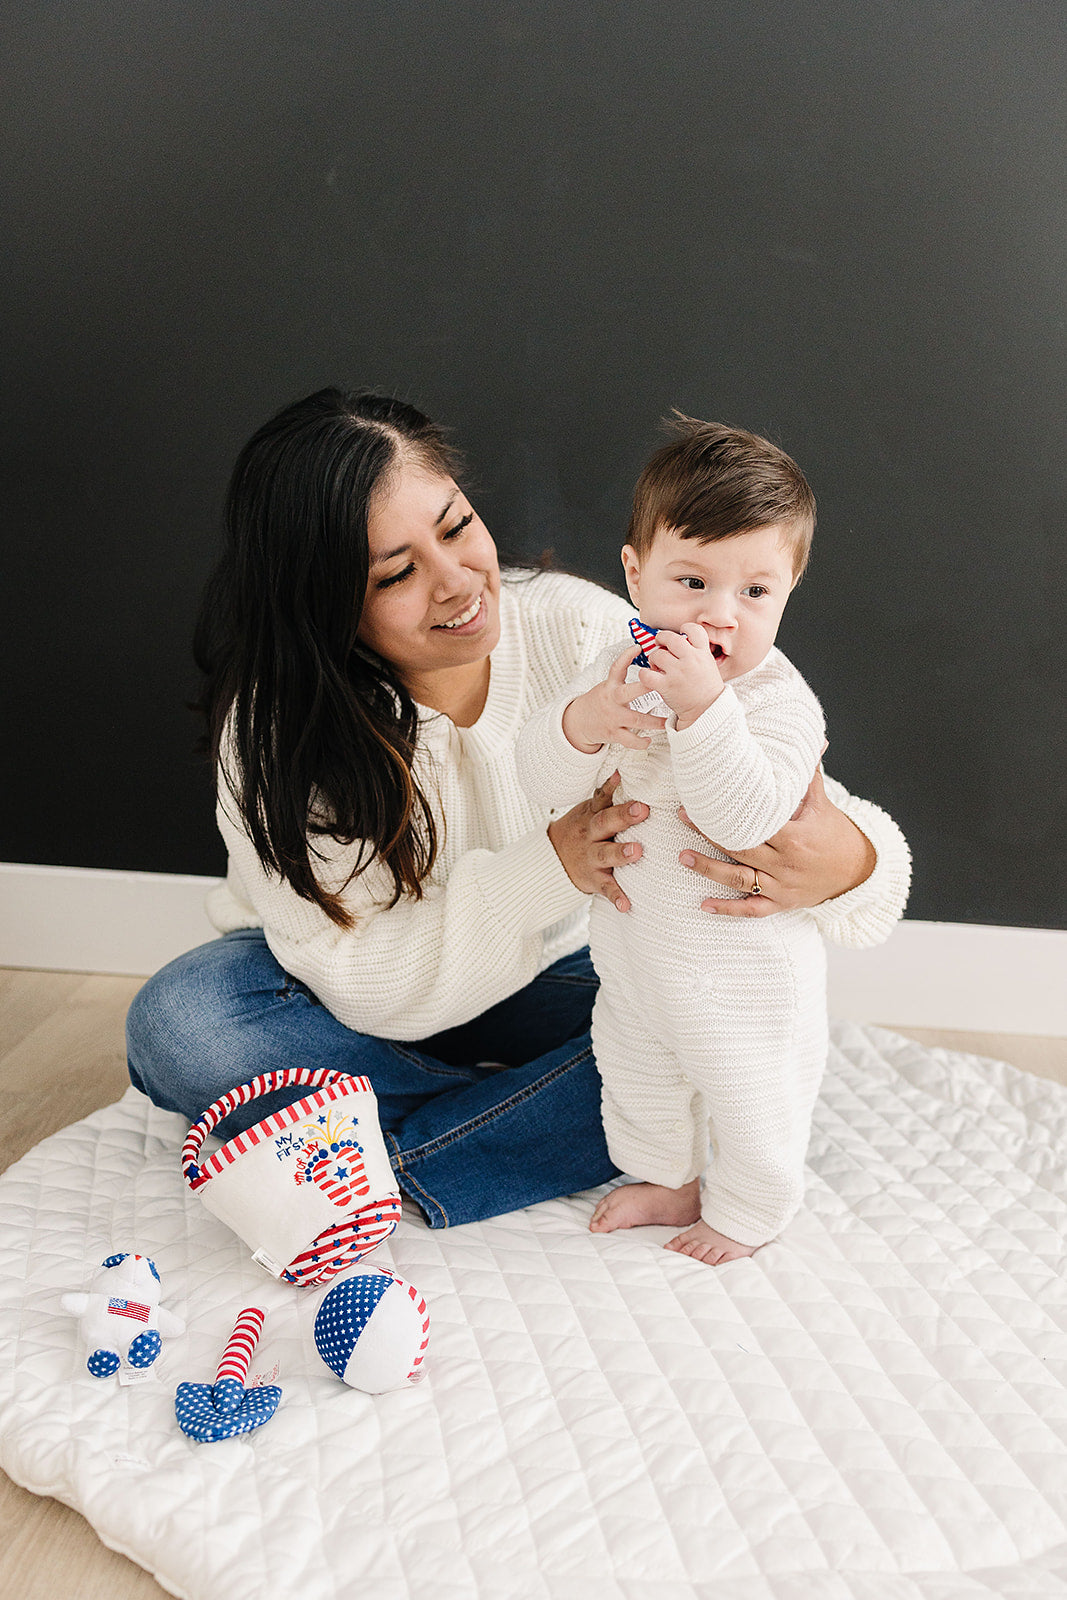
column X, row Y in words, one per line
column 184, row 1024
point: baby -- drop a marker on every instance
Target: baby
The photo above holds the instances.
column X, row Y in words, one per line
column 706, row 1030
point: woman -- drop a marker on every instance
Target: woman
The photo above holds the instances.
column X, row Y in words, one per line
column 394, row 905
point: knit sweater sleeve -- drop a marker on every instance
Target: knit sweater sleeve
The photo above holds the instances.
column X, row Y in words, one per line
column 742, row 776
column 868, row 914
column 741, row 773
column 551, row 770
column 410, row 970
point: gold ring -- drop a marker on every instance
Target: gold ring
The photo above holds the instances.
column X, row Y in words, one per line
column 757, row 887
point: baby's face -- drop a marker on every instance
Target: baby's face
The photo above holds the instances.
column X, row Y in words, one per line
column 736, row 589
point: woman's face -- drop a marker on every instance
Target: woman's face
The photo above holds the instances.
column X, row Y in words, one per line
column 433, row 593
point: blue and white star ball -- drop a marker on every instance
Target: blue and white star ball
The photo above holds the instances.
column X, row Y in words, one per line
column 372, row 1330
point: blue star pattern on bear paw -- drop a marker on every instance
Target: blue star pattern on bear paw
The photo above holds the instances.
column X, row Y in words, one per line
column 144, row 1349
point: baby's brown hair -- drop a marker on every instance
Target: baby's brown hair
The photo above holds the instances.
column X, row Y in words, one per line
column 712, row 481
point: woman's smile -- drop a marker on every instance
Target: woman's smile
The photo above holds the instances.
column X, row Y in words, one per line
column 467, row 621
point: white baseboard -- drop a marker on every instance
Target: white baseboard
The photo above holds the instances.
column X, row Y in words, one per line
column 927, row 975
column 960, row 975
column 76, row 919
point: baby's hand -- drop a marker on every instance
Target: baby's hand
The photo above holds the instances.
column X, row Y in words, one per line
column 684, row 672
column 602, row 715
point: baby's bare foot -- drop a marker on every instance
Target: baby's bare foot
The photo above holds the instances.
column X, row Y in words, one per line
column 637, row 1205
column 704, row 1244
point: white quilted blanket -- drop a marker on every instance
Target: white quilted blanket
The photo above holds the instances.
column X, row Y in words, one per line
column 873, row 1408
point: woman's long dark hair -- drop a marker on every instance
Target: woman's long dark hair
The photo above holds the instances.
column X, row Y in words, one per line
column 316, row 735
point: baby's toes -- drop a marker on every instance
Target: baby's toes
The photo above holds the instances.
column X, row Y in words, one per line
column 706, row 1250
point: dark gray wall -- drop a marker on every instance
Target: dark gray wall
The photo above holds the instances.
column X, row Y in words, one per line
column 840, row 223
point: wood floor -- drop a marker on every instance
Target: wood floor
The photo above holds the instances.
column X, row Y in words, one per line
column 61, row 1057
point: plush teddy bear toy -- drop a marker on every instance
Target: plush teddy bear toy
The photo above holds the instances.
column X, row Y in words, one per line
column 120, row 1315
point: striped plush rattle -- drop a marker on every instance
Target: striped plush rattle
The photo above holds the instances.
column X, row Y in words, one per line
column 208, row 1412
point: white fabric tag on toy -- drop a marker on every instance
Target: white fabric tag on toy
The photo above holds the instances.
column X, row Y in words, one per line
column 269, row 1263
column 652, row 704
column 128, row 1376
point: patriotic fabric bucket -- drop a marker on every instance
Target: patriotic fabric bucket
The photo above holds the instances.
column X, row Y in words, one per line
column 309, row 1189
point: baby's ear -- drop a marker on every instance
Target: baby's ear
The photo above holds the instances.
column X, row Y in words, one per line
column 631, row 566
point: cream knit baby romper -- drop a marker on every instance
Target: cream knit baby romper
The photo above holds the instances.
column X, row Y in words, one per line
column 705, row 1028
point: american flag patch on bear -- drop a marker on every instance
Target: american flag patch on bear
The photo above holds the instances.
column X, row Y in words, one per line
column 128, row 1308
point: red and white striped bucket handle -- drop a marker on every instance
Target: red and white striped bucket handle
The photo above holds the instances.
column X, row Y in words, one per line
column 266, row 1083
column 241, row 1343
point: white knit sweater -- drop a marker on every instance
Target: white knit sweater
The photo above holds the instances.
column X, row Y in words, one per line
column 499, row 907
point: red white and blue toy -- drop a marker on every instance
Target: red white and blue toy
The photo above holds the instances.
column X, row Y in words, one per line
column 373, row 1330
column 120, row 1316
column 645, row 637
column 208, row 1412
column 649, row 702
column 309, row 1189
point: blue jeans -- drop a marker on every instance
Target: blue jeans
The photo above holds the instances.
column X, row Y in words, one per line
column 467, row 1140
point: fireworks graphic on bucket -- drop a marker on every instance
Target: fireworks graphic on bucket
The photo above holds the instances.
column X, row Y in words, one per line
column 329, row 1155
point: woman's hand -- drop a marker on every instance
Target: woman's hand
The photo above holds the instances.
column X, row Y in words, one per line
column 584, row 840
column 818, row 855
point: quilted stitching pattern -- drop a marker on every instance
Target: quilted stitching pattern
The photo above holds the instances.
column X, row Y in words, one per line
column 874, row 1408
